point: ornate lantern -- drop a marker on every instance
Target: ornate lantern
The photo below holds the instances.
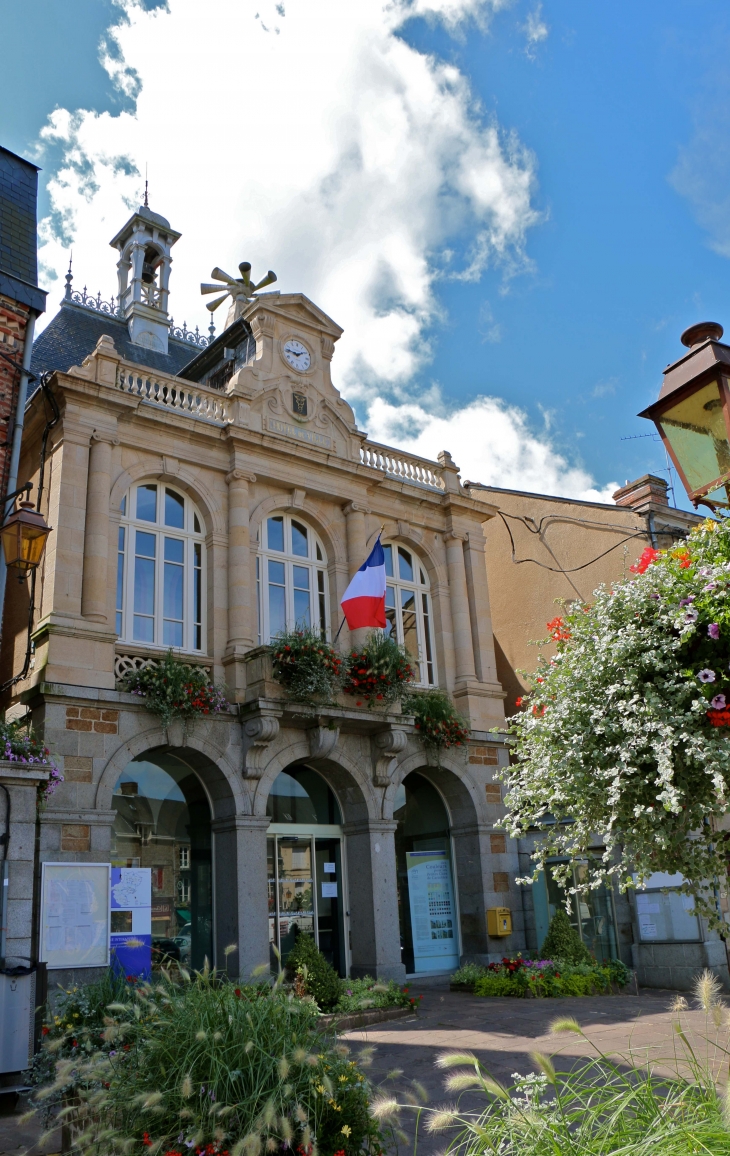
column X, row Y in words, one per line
column 692, row 415
column 24, row 537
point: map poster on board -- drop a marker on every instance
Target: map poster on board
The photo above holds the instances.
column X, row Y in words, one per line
column 130, row 941
column 75, row 914
column 433, row 917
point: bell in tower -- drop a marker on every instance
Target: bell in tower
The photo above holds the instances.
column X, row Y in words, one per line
column 143, row 268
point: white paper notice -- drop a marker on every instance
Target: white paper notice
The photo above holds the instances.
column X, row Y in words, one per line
column 329, row 890
column 329, row 868
column 647, row 928
column 75, row 914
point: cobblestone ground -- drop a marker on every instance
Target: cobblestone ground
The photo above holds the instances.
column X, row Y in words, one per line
column 502, row 1032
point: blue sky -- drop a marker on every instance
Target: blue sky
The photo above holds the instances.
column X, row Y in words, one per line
column 614, row 234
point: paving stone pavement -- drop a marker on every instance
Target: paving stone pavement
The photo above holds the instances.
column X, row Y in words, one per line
column 501, row 1032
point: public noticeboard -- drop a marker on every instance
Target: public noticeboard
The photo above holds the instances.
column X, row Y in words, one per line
column 75, row 915
column 433, row 918
column 131, row 920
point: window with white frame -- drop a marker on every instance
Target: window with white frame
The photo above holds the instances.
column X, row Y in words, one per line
column 291, row 578
column 408, row 609
column 160, row 569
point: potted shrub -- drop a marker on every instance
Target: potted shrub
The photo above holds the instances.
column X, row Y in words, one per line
column 306, row 666
column 20, row 744
column 379, row 674
column 438, row 723
column 173, row 689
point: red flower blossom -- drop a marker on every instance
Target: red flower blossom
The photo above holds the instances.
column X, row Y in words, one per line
column 46, row 1030
column 146, row 1140
column 648, row 556
column 519, row 701
column 237, row 992
column 558, row 630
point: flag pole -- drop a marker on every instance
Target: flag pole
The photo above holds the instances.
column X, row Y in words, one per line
column 339, row 629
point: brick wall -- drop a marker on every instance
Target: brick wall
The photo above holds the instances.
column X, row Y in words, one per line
column 13, row 319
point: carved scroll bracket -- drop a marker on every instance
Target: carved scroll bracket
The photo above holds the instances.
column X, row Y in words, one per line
column 387, row 745
column 322, row 741
column 258, row 734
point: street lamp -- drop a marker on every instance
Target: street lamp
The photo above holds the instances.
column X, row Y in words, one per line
column 24, row 536
column 692, row 415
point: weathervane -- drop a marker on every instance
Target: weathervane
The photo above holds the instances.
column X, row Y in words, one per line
column 239, row 289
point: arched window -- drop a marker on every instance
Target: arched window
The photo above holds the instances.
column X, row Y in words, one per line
column 291, row 578
column 408, row 609
column 160, row 569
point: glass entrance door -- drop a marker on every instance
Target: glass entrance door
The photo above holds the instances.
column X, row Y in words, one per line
column 305, row 895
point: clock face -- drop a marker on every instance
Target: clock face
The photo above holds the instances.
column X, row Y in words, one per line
column 297, row 355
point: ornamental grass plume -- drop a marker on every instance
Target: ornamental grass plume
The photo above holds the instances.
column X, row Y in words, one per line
column 622, row 734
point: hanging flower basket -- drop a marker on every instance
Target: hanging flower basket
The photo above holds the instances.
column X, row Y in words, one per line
column 380, row 673
column 306, row 666
column 20, row 744
column 175, row 689
column 438, row 723
column 624, row 733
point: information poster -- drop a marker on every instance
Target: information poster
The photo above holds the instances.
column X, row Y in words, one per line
column 75, row 914
column 433, row 917
column 130, row 940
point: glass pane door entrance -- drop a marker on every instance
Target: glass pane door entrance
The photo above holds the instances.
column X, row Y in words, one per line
column 305, row 895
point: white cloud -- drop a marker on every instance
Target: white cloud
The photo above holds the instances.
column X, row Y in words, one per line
column 308, row 137
column 491, row 442
column 535, row 30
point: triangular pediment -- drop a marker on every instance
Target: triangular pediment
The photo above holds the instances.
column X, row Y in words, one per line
column 295, row 307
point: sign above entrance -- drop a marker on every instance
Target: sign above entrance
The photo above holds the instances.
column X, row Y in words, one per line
column 285, row 429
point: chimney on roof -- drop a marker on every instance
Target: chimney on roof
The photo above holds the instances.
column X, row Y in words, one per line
column 644, row 494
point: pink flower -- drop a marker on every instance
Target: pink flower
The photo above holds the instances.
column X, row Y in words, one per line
column 706, row 675
column 713, row 630
column 718, row 702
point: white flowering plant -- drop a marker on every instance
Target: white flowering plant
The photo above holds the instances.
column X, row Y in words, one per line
column 623, row 734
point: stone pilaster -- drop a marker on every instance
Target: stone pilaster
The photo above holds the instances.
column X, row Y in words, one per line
column 373, row 897
column 241, row 598
column 241, row 888
column 463, row 646
column 94, row 593
column 356, row 553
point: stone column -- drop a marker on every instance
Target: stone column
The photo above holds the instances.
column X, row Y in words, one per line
column 373, row 900
column 96, row 537
column 241, row 599
column 356, row 553
column 463, row 646
column 241, row 899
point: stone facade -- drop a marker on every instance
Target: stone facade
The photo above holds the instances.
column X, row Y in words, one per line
column 243, row 454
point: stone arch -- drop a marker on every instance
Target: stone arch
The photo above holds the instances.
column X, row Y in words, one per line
column 460, row 795
column 218, row 773
column 331, row 535
column 352, row 788
column 416, row 541
column 185, row 479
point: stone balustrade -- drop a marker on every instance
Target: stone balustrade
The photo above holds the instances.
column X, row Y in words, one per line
column 169, row 393
column 403, row 467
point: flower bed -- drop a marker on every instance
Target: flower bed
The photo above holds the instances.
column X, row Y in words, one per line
column 175, row 689
column 306, row 666
column 539, row 979
column 380, row 673
column 362, row 994
column 204, row 1067
column 624, row 732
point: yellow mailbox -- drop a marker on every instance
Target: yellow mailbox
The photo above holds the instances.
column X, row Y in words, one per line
column 499, row 921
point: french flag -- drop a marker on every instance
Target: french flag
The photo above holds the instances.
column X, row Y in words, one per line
column 363, row 603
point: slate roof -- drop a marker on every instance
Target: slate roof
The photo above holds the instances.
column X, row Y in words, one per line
column 18, row 243
column 74, row 331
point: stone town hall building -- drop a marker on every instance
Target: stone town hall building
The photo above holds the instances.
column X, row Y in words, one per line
column 203, row 496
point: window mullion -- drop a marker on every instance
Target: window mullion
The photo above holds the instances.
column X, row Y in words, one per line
column 157, row 634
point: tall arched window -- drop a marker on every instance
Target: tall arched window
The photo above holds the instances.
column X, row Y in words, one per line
column 408, row 609
column 291, row 578
column 160, row 569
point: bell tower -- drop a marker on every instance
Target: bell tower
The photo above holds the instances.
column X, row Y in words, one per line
column 143, row 268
